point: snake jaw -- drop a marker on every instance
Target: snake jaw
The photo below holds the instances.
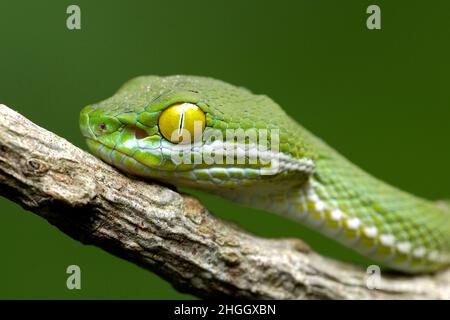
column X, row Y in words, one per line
column 162, row 161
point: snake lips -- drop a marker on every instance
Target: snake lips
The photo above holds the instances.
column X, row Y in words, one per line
column 207, row 134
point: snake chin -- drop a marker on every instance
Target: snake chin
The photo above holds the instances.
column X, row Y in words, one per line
column 210, row 177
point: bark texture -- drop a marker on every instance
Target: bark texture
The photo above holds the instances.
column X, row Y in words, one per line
column 172, row 234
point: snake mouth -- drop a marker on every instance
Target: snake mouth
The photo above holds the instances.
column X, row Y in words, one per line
column 158, row 163
column 167, row 170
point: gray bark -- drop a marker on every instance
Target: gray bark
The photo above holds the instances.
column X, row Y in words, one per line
column 172, row 234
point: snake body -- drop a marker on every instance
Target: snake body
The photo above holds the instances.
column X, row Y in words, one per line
column 313, row 184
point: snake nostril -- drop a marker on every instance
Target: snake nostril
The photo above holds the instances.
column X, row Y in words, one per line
column 140, row 133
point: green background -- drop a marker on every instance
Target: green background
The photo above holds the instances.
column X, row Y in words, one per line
column 380, row 97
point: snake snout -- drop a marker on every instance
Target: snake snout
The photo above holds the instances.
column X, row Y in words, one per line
column 84, row 123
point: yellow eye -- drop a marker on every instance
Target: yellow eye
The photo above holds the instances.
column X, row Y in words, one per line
column 182, row 122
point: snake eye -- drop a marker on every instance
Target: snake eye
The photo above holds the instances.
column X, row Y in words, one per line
column 182, row 122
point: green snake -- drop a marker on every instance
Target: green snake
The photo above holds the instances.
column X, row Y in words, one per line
column 312, row 183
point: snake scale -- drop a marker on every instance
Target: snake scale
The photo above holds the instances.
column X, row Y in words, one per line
column 312, row 184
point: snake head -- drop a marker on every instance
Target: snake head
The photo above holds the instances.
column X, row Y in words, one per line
column 197, row 132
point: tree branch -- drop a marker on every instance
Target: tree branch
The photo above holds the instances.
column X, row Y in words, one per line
column 172, row 234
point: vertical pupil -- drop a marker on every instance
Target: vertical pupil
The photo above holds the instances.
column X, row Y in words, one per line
column 181, row 124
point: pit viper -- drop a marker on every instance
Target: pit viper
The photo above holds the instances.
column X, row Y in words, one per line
column 141, row 131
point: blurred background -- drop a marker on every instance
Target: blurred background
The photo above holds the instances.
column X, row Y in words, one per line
column 380, row 97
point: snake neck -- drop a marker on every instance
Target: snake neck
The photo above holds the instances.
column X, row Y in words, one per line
column 389, row 226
